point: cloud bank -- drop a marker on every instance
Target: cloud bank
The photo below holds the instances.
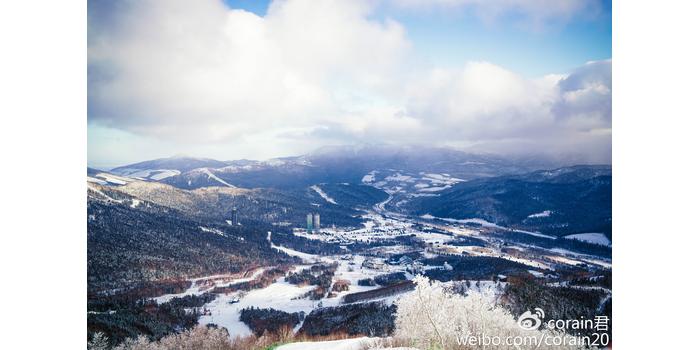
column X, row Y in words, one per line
column 311, row 73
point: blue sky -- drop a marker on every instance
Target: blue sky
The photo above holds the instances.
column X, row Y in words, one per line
column 244, row 79
column 451, row 37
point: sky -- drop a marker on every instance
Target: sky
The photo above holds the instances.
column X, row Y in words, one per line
column 257, row 79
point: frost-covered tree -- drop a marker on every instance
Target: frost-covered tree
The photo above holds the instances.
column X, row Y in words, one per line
column 98, row 342
column 195, row 338
column 432, row 317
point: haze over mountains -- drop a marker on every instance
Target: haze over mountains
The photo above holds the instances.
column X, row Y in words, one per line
column 330, row 164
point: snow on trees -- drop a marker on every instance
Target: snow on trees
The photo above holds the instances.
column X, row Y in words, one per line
column 432, row 317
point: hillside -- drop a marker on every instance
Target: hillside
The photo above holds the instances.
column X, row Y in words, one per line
column 132, row 243
column 557, row 202
column 339, row 164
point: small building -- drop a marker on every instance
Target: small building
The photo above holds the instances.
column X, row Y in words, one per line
column 415, row 268
column 374, row 264
column 405, row 260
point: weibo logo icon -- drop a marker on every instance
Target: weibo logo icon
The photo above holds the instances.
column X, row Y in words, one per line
column 530, row 321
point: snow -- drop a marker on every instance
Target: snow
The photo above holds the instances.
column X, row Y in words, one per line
column 380, row 206
column 423, row 195
column 399, row 177
column 218, row 281
column 564, row 260
column 275, row 162
column 213, row 230
column 536, row 234
column 484, row 223
column 164, row 174
column 323, row 194
column 536, row 273
column 433, row 237
column 377, row 224
column 307, row 258
column 434, row 189
column 113, row 179
column 481, row 222
column 343, row 344
column 595, row 238
column 542, row 214
column 94, row 190
column 96, row 180
column 591, row 259
column 214, row 177
column 280, row 295
column 443, row 179
column 135, row 203
column 153, row 174
column 369, row 178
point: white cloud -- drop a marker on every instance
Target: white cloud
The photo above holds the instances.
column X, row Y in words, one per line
column 195, row 69
column 307, row 73
column 489, row 108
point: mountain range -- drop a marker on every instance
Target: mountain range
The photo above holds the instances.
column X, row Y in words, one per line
column 326, row 165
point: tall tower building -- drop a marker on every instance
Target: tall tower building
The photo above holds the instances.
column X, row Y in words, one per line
column 309, row 222
column 234, row 216
column 317, row 221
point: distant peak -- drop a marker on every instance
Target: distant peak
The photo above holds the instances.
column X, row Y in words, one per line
column 180, row 156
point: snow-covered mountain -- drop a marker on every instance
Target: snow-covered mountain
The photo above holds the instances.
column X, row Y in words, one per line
column 438, row 167
column 159, row 169
column 562, row 201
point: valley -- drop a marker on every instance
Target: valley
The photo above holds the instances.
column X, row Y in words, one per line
column 438, row 239
column 166, row 255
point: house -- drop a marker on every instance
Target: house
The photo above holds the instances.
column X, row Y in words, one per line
column 374, row 264
column 405, row 260
column 415, row 268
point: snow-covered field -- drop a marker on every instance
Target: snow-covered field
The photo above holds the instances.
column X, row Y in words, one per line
column 279, row 295
column 146, row 174
column 369, row 178
column 595, row 238
column 152, row 174
column 484, row 223
column 343, row 344
column 411, row 184
column 323, row 194
column 542, row 214
column 215, row 231
column 210, row 175
column 284, row 296
column 109, row 179
column 198, row 288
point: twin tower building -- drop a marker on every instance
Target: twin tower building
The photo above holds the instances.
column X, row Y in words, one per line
column 313, row 222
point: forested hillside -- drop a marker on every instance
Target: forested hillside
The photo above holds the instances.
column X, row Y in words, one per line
column 558, row 202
